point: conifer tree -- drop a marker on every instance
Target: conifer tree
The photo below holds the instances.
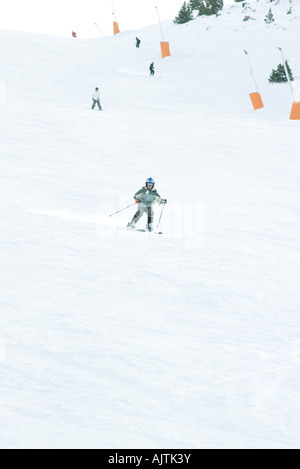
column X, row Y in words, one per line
column 269, row 17
column 210, row 7
column 195, row 4
column 185, row 14
column 279, row 75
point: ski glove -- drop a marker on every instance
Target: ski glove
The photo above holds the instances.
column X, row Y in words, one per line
column 163, row 201
column 137, row 201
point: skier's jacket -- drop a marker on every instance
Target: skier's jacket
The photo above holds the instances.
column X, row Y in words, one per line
column 147, row 197
column 96, row 95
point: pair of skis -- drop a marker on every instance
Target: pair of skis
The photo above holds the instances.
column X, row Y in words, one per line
column 139, row 229
column 146, row 231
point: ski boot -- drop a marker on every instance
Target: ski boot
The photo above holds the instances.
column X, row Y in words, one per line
column 149, row 227
column 131, row 225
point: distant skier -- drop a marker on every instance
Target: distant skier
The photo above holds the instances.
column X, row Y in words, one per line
column 146, row 197
column 96, row 99
column 138, row 41
column 151, row 68
column 74, row 34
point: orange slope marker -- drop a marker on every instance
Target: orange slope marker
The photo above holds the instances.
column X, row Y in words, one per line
column 295, row 112
column 116, row 27
column 165, row 49
column 256, row 101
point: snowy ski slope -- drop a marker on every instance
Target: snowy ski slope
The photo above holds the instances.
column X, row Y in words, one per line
column 116, row 339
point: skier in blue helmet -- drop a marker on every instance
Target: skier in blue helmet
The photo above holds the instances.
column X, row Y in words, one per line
column 146, row 197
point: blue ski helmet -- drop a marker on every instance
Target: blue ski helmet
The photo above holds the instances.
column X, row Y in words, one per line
column 149, row 181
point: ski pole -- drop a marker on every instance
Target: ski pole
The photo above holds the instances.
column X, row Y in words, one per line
column 131, row 205
column 287, row 73
column 160, row 215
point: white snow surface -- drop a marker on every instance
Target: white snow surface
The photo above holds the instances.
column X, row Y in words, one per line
column 117, row 339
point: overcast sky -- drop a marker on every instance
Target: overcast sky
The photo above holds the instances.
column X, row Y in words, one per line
column 60, row 17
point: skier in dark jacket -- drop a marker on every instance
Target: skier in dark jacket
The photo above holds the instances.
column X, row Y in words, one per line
column 138, row 41
column 151, row 68
column 146, row 197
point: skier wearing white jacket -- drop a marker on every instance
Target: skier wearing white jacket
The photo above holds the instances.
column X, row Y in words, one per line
column 96, row 99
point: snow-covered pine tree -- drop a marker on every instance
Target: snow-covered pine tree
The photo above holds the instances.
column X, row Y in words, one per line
column 279, row 75
column 210, row 7
column 195, row 4
column 269, row 17
column 185, row 14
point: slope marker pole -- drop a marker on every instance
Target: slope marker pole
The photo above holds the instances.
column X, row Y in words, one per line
column 255, row 97
column 164, row 45
column 295, row 112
